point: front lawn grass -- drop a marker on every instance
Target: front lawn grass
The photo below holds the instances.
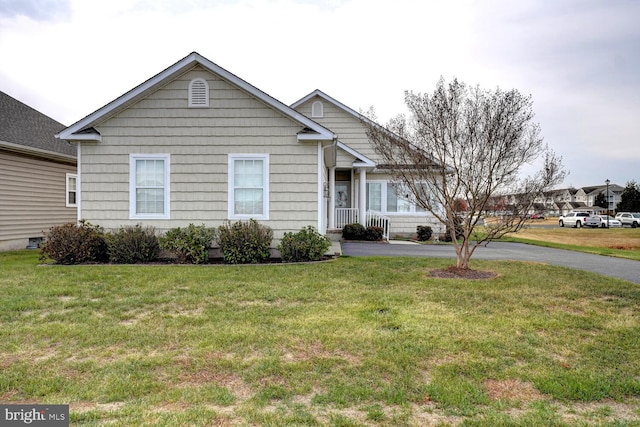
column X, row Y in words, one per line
column 355, row 341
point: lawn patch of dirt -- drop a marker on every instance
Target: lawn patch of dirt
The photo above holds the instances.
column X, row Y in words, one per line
column 453, row 272
column 512, row 390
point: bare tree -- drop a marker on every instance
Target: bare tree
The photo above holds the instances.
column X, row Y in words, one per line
column 467, row 143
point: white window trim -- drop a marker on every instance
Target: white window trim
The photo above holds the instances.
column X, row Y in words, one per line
column 317, row 109
column 265, row 185
column 66, row 194
column 206, row 88
column 132, row 185
column 412, row 206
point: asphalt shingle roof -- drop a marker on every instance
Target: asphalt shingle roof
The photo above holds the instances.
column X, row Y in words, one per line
column 21, row 124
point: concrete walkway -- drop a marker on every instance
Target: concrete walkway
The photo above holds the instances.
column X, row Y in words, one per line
column 608, row 266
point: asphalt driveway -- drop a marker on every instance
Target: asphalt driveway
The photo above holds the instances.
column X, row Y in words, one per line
column 608, row 266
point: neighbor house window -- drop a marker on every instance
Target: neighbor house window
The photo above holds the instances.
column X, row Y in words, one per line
column 317, row 109
column 248, row 186
column 72, row 190
column 149, row 186
column 198, row 93
column 391, row 198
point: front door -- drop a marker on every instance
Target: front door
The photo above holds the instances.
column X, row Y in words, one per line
column 343, row 194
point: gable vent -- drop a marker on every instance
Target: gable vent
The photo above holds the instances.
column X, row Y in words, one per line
column 198, row 93
column 317, row 109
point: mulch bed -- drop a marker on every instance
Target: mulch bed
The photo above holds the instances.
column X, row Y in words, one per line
column 454, row 272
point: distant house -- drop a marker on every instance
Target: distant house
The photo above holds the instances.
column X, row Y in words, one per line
column 612, row 198
column 562, row 201
column 37, row 175
column 197, row 144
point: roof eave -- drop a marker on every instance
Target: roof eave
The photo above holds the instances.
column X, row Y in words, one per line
column 315, row 137
column 38, row 152
column 81, row 137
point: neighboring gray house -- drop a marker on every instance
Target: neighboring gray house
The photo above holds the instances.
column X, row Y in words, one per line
column 37, row 175
column 197, row 144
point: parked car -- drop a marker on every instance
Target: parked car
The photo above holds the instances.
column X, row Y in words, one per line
column 573, row 219
column 631, row 219
column 602, row 221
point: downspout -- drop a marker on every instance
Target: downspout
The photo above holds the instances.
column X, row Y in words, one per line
column 78, row 185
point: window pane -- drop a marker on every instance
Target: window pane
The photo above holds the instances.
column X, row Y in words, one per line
column 72, row 184
column 72, row 197
column 248, row 173
column 392, row 199
column 424, row 195
column 150, row 201
column 394, row 202
column 374, row 196
column 149, row 173
column 248, row 201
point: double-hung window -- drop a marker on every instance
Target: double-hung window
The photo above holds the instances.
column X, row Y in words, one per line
column 248, row 186
column 149, row 186
column 72, row 190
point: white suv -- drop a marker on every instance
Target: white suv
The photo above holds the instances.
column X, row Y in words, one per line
column 629, row 218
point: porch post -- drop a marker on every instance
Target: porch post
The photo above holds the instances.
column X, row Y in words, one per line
column 332, row 197
column 362, row 196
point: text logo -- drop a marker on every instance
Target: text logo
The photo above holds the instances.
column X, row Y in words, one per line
column 34, row 415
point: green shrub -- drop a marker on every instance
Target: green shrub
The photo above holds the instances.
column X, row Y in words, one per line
column 446, row 237
column 244, row 242
column 190, row 245
column 424, row 232
column 373, row 233
column 353, row 232
column 305, row 245
column 75, row 244
column 133, row 244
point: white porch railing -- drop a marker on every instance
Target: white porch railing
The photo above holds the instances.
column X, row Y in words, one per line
column 376, row 219
column 346, row 216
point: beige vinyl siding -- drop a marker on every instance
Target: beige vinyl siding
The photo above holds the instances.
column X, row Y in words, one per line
column 32, row 198
column 198, row 141
column 346, row 126
column 344, row 160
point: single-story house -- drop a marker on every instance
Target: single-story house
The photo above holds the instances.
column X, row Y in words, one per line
column 37, row 175
column 197, row 144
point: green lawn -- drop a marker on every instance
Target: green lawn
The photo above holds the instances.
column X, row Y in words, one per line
column 355, row 341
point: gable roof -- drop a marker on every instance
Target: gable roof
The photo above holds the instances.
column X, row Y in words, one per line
column 365, row 161
column 83, row 129
column 24, row 129
column 333, row 101
column 613, row 188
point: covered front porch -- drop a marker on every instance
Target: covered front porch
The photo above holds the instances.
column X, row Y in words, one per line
column 347, row 201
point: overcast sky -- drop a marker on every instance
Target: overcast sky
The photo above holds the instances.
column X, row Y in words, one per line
column 579, row 59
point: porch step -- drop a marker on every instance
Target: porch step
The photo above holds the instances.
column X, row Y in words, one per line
column 335, row 234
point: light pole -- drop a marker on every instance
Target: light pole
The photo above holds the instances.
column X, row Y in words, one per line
column 607, row 198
